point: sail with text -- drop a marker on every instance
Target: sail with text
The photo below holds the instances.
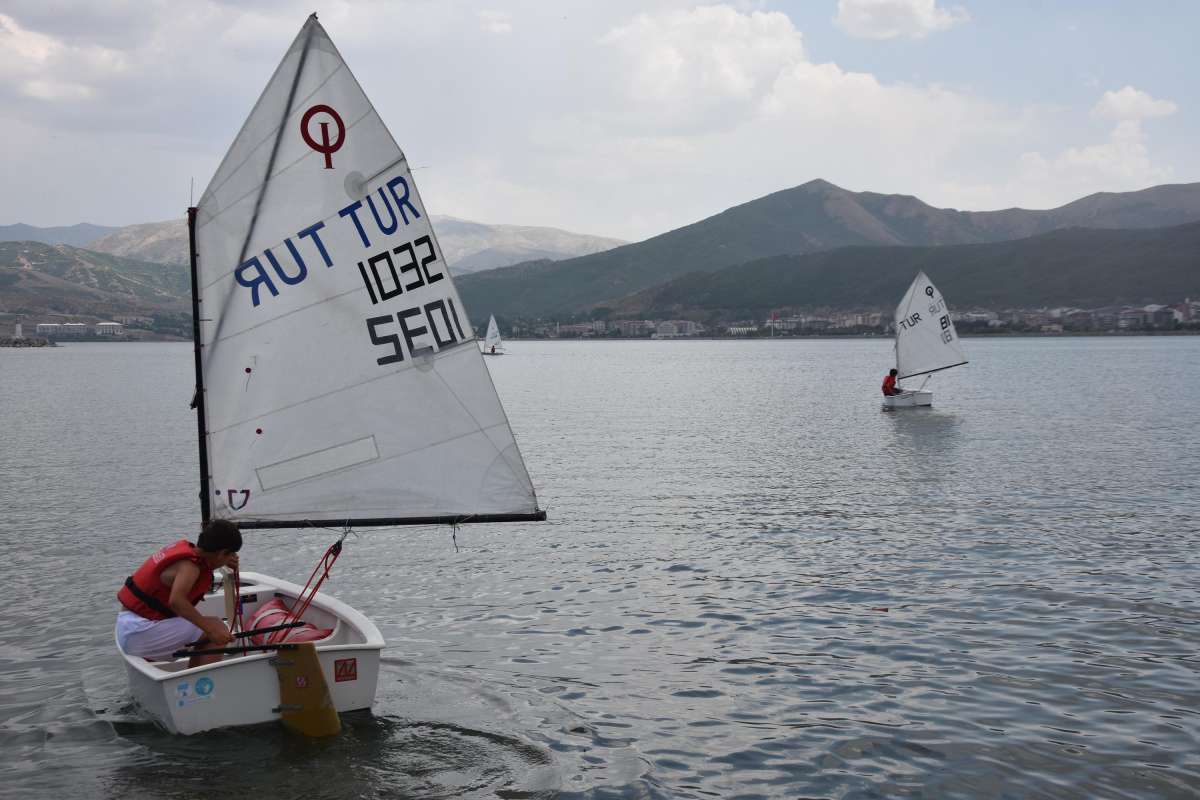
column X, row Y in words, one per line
column 339, row 379
column 925, row 337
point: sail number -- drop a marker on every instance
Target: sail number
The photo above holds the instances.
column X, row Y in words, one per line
column 390, row 283
column 392, row 272
column 437, row 320
column 936, row 306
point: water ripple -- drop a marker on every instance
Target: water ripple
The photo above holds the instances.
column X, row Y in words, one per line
column 753, row 584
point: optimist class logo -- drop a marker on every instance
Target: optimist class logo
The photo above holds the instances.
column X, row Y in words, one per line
column 325, row 146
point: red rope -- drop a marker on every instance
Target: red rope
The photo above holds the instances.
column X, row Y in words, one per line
column 306, row 597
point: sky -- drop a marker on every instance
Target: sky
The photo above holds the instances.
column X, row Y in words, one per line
column 615, row 118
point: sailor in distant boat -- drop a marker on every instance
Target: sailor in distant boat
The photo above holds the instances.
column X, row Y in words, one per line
column 159, row 600
column 926, row 342
column 889, row 385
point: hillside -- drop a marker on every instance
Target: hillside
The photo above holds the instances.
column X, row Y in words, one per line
column 75, row 235
column 38, row 278
column 1076, row 266
column 159, row 242
column 473, row 246
column 467, row 246
column 809, row 218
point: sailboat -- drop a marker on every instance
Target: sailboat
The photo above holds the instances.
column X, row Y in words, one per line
column 492, row 346
column 926, row 341
column 337, row 382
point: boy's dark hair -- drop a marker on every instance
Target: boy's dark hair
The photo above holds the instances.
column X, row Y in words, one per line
column 218, row 535
column 893, row 372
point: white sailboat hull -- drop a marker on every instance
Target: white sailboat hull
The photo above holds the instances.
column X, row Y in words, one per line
column 911, row 399
column 244, row 690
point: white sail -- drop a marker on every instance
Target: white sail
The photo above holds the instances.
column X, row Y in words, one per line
column 925, row 337
column 339, row 375
column 492, row 342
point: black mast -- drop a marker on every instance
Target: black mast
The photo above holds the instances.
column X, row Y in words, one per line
column 205, row 509
column 368, row 522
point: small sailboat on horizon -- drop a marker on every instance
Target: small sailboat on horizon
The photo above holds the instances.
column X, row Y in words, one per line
column 926, row 342
column 492, row 346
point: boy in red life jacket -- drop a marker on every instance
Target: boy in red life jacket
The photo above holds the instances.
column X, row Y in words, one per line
column 159, row 600
column 889, row 385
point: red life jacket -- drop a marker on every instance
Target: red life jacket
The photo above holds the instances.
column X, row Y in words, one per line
column 889, row 385
column 146, row 595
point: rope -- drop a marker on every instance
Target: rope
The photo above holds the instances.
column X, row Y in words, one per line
column 306, row 596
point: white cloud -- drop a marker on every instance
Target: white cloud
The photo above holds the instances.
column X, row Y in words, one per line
column 625, row 118
column 1121, row 163
column 497, row 22
column 54, row 91
column 1132, row 104
column 26, row 45
column 889, row 19
column 697, row 68
column 45, row 68
column 692, row 111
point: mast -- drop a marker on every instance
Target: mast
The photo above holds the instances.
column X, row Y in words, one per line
column 205, row 508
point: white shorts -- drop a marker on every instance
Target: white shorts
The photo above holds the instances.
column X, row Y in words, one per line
column 154, row 639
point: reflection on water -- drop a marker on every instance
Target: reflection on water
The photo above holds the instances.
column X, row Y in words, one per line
column 753, row 583
column 925, row 431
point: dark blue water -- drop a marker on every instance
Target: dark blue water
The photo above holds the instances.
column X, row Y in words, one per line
column 753, row 583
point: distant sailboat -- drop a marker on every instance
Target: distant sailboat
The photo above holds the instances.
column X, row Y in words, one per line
column 926, row 341
column 335, row 385
column 492, row 346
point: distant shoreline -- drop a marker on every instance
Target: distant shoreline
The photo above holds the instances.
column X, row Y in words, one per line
column 116, row 340
column 851, row 336
column 814, row 337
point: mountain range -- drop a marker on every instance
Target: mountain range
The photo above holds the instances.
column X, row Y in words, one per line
column 816, row 216
column 142, row 268
column 467, row 246
column 1085, row 267
column 813, row 245
column 474, row 247
column 80, row 235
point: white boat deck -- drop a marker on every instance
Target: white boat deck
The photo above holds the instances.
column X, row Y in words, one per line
column 244, row 690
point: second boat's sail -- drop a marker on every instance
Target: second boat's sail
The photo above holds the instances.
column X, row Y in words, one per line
column 492, row 344
column 925, row 337
column 340, row 382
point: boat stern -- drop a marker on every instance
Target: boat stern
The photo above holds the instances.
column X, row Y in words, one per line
column 911, row 399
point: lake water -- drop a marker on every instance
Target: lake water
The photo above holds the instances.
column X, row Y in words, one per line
column 753, row 582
